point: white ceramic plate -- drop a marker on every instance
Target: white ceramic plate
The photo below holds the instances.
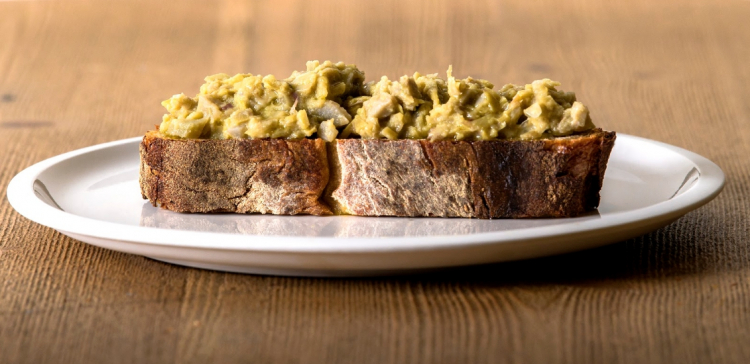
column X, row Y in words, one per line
column 92, row 195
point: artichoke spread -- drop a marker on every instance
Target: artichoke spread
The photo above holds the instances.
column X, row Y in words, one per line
column 331, row 100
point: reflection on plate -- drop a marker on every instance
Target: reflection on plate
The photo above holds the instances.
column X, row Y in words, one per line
column 335, row 226
column 92, row 195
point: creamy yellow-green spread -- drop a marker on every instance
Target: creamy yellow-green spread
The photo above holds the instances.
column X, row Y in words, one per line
column 331, row 100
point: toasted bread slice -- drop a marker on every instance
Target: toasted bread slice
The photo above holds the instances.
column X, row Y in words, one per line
column 485, row 179
column 274, row 176
column 557, row 177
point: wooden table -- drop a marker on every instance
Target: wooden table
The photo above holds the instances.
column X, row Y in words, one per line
column 77, row 73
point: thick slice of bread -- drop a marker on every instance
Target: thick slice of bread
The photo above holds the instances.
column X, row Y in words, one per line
column 486, row 179
column 273, row 176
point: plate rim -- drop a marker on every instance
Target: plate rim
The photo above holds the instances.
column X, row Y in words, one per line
column 22, row 198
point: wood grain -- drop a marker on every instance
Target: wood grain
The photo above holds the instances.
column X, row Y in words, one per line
column 77, row 73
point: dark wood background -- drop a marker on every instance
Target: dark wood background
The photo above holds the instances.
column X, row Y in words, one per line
column 77, row 73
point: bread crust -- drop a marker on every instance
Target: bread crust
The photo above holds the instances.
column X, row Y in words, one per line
column 274, row 176
column 558, row 177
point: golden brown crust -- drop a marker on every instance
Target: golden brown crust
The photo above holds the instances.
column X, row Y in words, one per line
column 486, row 179
column 274, row 176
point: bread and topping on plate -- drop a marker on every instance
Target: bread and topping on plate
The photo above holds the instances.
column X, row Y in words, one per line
column 324, row 141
